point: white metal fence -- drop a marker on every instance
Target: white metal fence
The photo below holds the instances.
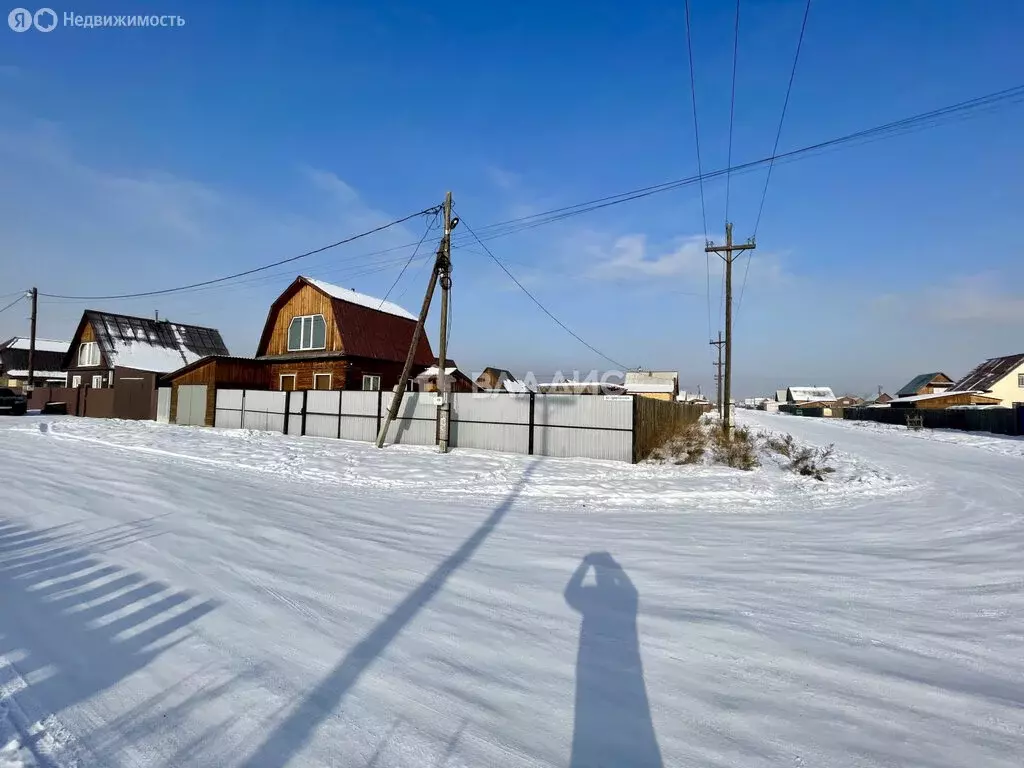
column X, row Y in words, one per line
column 588, row 426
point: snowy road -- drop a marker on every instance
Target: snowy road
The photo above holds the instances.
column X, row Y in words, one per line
column 187, row 597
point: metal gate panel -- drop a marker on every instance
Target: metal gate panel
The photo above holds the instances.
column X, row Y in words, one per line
column 191, row 405
column 163, row 405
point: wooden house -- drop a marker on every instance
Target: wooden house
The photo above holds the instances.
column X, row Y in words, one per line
column 659, row 385
column 926, row 384
column 104, row 341
column 810, row 395
column 47, row 365
column 500, row 380
column 456, row 380
column 998, row 377
column 937, row 400
column 316, row 336
column 321, row 336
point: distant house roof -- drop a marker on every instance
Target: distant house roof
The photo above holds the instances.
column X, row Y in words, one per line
column 42, row 345
column 51, row 375
column 937, row 395
column 989, row 373
column 580, row 387
column 810, row 394
column 643, row 382
column 780, row 395
column 921, row 381
column 369, row 327
column 147, row 344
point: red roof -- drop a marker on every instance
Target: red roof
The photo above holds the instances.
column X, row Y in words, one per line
column 367, row 332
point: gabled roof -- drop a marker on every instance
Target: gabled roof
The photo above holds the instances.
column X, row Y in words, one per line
column 810, row 394
column 146, row 344
column 989, row 373
column 42, row 345
column 937, row 395
column 369, row 327
column 922, row 380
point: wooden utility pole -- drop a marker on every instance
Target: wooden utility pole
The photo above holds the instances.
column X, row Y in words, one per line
column 442, row 259
column 727, row 253
column 32, row 341
column 718, row 371
column 444, row 270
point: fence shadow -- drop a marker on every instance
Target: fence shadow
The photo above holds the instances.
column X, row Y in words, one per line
column 613, row 716
column 291, row 735
column 78, row 625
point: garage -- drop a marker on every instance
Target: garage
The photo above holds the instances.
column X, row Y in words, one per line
column 191, row 409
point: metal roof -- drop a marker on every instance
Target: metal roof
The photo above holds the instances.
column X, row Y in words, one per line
column 147, row 344
column 918, row 382
column 989, row 373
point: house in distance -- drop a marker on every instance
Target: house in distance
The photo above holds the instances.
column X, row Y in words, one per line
column 46, row 365
column 1001, row 378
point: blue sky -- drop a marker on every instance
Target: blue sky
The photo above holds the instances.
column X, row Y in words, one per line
column 134, row 159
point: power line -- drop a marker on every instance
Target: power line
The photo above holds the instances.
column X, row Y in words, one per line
column 775, row 146
column 700, row 169
column 533, row 298
column 248, row 271
column 732, row 104
column 4, row 309
column 430, row 225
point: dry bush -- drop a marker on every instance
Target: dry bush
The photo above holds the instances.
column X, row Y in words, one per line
column 686, row 446
column 784, row 445
column 739, row 452
column 813, row 462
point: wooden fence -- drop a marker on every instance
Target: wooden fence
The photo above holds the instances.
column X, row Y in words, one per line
column 656, row 421
column 999, row 421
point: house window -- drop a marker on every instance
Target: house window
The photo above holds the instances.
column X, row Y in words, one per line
column 371, row 383
column 76, row 381
column 321, row 381
column 307, row 332
column 89, row 354
column 97, row 382
column 287, row 382
column 1020, row 380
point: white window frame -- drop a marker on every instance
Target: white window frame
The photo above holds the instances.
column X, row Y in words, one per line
column 97, row 381
column 295, row 381
column 93, row 356
column 374, row 381
column 76, row 382
column 303, row 346
column 330, row 379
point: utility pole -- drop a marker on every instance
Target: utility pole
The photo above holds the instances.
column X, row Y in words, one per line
column 718, row 370
column 443, row 258
column 727, row 253
column 444, row 269
column 32, row 341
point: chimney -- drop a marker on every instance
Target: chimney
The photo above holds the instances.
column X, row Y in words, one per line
column 156, row 315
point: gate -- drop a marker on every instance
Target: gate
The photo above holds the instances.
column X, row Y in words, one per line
column 191, row 405
column 163, row 405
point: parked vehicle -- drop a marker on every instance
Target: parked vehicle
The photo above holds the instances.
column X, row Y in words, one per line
column 12, row 403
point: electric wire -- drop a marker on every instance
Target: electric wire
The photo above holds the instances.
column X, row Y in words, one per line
column 430, row 226
column 8, row 306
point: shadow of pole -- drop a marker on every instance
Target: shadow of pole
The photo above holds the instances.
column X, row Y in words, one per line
column 613, row 724
column 288, row 738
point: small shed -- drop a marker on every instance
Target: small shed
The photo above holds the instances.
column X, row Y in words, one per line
column 192, row 390
column 456, row 380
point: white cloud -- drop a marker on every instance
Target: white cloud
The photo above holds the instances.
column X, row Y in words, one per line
column 503, row 179
column 967, row 299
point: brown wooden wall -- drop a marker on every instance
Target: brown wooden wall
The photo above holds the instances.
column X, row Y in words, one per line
column 306, row 301
column 304, row 370
column 87, row 335
column 958, row 399
column 226, row 374
column 388, row 370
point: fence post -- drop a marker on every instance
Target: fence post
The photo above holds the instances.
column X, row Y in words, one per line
column 533, row 400
column 632, row 428
column 241, row 417
column 85, row 401
column 380, row 399
column 341, row 396
column 305, row 395
column 287, row 410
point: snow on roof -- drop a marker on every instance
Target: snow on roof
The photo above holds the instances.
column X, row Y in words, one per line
column 811, row 394
column 647, row 376
column 147, row 356
column 354, row 297
column 432, row 371
column 515, row 386
column 42, row 345
column 934, row 395
column 650, row 386
column 23, row 374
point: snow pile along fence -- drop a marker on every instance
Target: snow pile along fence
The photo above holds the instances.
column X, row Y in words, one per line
column 620, row 428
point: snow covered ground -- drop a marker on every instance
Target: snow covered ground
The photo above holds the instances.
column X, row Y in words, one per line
column 180, row 596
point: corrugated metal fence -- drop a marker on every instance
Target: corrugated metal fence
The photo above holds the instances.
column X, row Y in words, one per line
column 1000, row 421
column 588, row 426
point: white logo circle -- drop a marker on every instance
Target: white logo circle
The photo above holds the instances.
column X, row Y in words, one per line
column 45, row 20
column 20, row 20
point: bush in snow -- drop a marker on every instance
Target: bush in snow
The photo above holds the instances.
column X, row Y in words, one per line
column 738, row 451
column 804, row 460
column 687, row 446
